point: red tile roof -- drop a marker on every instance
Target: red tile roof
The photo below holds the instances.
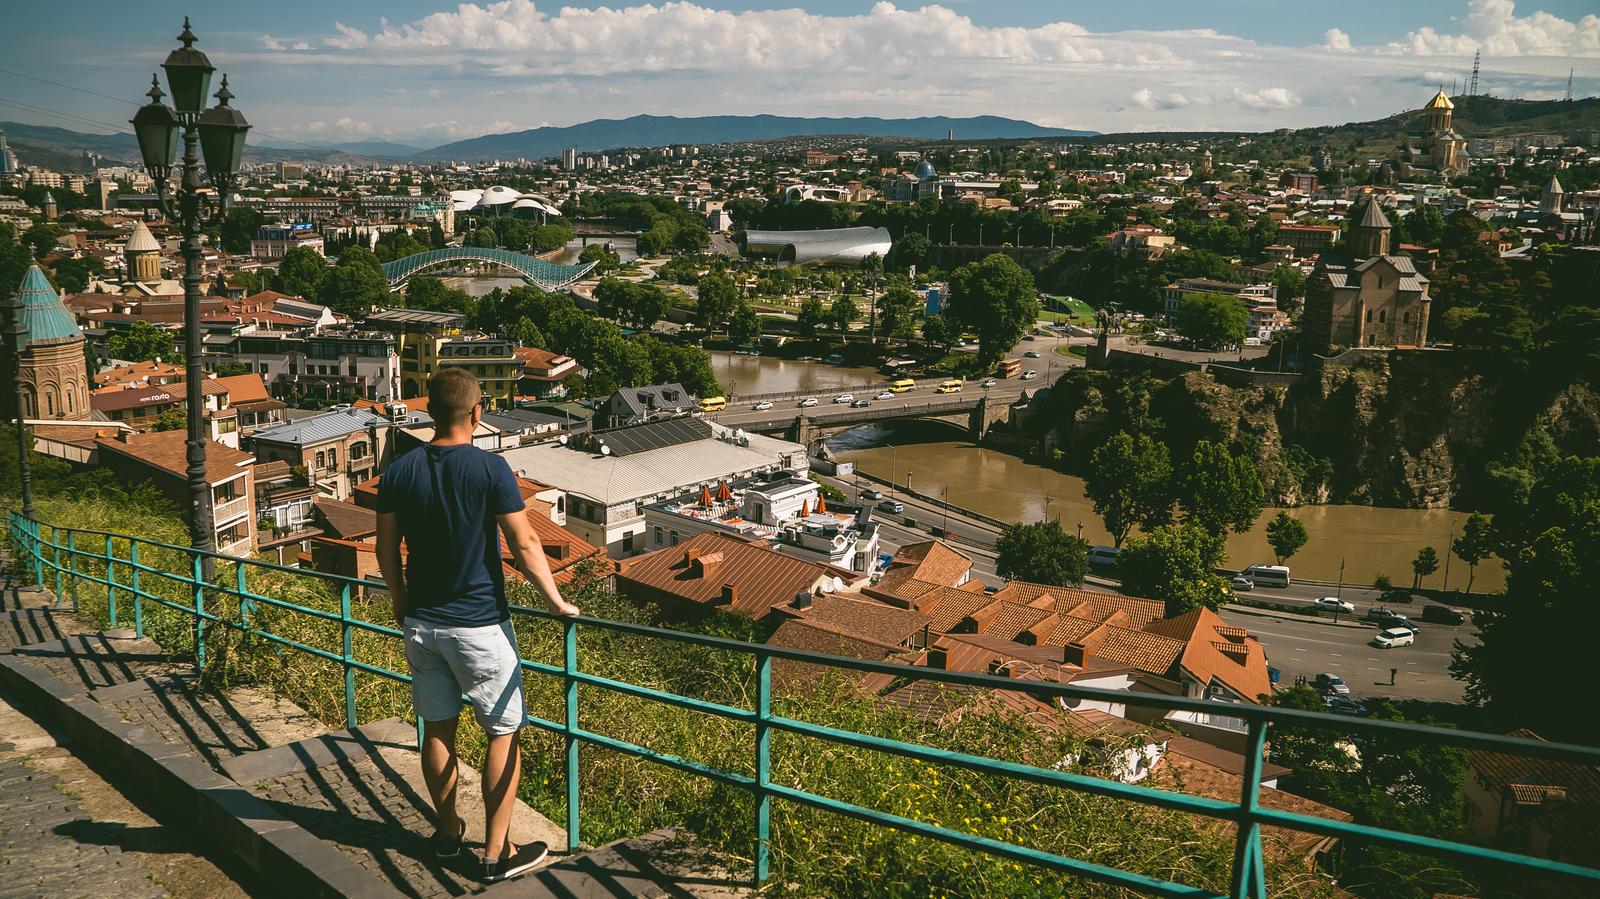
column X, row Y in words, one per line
column 748, row 578
column 932, row 562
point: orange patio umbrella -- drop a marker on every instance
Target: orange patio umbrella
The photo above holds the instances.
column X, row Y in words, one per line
column 723, row 493
column 822, row 503
column 705, row 495
column 805, row 509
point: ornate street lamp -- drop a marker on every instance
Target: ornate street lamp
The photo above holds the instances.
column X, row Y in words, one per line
column 17, row 343
column 221, row 132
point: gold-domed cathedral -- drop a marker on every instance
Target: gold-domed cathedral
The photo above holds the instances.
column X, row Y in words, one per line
column 55, row 375
column 1437, row 149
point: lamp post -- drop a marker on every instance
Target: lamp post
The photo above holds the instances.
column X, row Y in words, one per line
column 909, row 473
column 1447, row 556
column 17, row 342
column 219, row 133
column 894, row 470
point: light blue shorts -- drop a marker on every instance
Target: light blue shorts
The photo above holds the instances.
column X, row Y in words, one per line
column 481, row 662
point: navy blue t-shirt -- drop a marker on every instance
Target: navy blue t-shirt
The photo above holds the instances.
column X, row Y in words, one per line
column 447, row 498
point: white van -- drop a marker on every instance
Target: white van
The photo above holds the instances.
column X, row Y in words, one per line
column 1267, row 575
column 1394, row 636
column 1103, row 555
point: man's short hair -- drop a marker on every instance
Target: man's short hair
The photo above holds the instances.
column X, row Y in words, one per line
column 451, row 395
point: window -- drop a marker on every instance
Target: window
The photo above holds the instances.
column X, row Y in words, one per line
column 674, row 537
column 353, row 370
column 321, row 460
column 294, row 368
column 1405, row 318
column 1369, row 316
column 49, row 405
column 659, row 535
column 561, row 504
column 627, row 542
column 333, row 458
column 1383, row 316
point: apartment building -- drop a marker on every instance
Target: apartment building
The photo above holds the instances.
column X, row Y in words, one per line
column 162, row 459
column 338, row 449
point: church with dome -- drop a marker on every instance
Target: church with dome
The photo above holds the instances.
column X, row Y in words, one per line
column 1435, row 150
column 1365, row 297
column 55, row 375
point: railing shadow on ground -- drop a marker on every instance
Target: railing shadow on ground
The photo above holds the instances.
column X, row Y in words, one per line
column 207, row 605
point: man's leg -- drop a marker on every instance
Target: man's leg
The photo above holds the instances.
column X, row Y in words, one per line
column 501, row 771
column 439, row 771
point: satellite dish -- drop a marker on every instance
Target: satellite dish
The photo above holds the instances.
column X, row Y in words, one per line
column 563, row 440
column 838, row 584
column 605, row 450
column 827, row 586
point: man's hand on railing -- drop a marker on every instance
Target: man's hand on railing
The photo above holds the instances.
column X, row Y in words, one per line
column 563, row 608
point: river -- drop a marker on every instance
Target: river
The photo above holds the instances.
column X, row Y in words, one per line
column 755, row 375
column 1367, row 540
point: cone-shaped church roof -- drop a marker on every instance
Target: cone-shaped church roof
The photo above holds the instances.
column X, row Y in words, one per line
column 1440, row 101
column 1554, row 187
column 1373, row 217
column 141, row 240
column 43, row 313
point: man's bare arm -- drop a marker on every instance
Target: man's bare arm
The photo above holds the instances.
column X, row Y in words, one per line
column 389, row 563
column 529, row 555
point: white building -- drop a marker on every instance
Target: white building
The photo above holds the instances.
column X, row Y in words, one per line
column 786, row 512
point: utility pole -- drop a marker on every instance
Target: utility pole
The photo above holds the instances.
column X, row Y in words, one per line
column 1473, row 91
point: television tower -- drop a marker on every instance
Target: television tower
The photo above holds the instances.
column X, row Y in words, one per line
column 1473, row 91
column 1569, row 84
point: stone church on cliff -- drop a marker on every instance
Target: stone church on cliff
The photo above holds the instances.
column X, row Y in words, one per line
column 1365, row 297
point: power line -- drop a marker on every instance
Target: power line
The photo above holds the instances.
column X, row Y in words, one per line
column 74, row 119
column 69, row 87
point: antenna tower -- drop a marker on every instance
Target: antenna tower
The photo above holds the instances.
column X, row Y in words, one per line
column 1473, row 91
column 1569, row 84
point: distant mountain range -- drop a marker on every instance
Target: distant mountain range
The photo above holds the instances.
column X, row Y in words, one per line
column 657, row 131
column 360, row 148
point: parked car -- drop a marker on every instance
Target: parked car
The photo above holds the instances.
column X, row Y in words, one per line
column 1031, row 354
column 1338, row 705
column 1393, row 596
column 843, row 398
column 1029, row 375
column 1330, row 683
column 872, row 493
column 1243, row 585
column 1442, row 615
column 808, row 402
column 892, row 505
column 1383, row 617
column 1392, row 637
column 762, row 406
column 860, row 404
column 1103, row 555
column 1333, row 604
column 989, row 383
column 886, row 395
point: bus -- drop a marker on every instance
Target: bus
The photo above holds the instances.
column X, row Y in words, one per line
column 1009, row 368
column 713, row 404
column 902, row 385
column 950, row 387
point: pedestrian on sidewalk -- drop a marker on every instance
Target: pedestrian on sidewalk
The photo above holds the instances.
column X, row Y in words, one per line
column 447, row 500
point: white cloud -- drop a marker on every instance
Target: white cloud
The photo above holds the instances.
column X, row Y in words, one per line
column 1336, row 40
column 354, row 39
column 1493, row 27
column 1147, row 99
column 1267, row 98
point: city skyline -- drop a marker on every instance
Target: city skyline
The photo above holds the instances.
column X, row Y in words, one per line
column 428, row 74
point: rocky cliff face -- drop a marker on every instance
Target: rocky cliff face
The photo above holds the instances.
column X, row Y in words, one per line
column 1406, row 430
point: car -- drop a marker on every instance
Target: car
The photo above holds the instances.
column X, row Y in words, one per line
column 1031, row 354
column 961, row 341
column 808, row 402
column 1243, row 585
column 843, row 398
column 872, row 493
column 989, row 383
column 1393, row 596
column 1383, row 616
column 860, row 404
column 1442, row 615
column 886, row 395
column 1392, row 637
column 1333, row 604
column 1027, row 337
column 1029, row 375
column 1330, row 683
column 892, row 505
column 762, row 406
column 1338, row 705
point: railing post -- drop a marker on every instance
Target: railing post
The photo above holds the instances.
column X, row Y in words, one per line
column 111, row 580
column 349, row 656
column 1249, row 873
column 198, row 580
column 138, row 600
column 55, row 543
column 247, row 606
column 72, row 564
column 569, row 667
column 763, row 764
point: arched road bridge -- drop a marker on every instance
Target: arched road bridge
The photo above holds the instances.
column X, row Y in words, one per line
column 976, row 412
column 535, row 271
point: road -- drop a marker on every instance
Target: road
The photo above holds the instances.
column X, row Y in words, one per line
column 1310, row 647
column 1006, row 390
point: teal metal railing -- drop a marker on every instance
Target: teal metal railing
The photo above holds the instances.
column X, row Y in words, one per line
column 59, row 558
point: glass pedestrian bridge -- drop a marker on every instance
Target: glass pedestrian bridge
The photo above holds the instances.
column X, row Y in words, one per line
column 535, row 271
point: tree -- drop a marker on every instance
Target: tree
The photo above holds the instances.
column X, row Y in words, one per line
column 302, row 270
column 842, row 313
column 1213, row 319
column 73, row 274
column 995, row 297
column 356, row 283
column 872, row 267
column 717, row 299
column 1290, row 282
column 526, row 333
column 41, row 238
column 1286, row 535
column 1129, row 482
column 1176, row 566
column 898, row 311
column 812, row 314
column 1426, row 563
column 238, row 228
column 232, row 369
column 484, row 238
column 173, row 419
column 745, row 326
column 141, row 343
column 942, row 331
column 1218, row 491
column 1475, row 544
column 912, row 249
column 1041, row 553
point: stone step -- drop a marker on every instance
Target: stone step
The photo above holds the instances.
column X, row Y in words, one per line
column 664, row 863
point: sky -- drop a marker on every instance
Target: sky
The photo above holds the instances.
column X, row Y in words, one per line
column 425, row 72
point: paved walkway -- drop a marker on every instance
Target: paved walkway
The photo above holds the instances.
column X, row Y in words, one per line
column 303, row 809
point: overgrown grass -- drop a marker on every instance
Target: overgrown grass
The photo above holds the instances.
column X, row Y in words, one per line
column 822, row 854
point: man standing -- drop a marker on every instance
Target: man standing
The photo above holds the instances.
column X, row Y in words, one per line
column 447, row 500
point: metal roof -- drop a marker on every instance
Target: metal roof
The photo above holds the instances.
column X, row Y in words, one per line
column 43, row 313
column 826, row 245
column 413, row 316
column 141, row 240
column 317, row 428
column 655, row 435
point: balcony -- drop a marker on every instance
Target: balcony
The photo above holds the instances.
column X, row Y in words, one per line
column 239, row 549
column 224, row 511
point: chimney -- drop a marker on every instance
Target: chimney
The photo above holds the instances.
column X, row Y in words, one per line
column 802, row 600
column 689, row 555
column 1074, row 654
column 122, row 436
column 1553, row 797
column 730, row 594
column 938, row 658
